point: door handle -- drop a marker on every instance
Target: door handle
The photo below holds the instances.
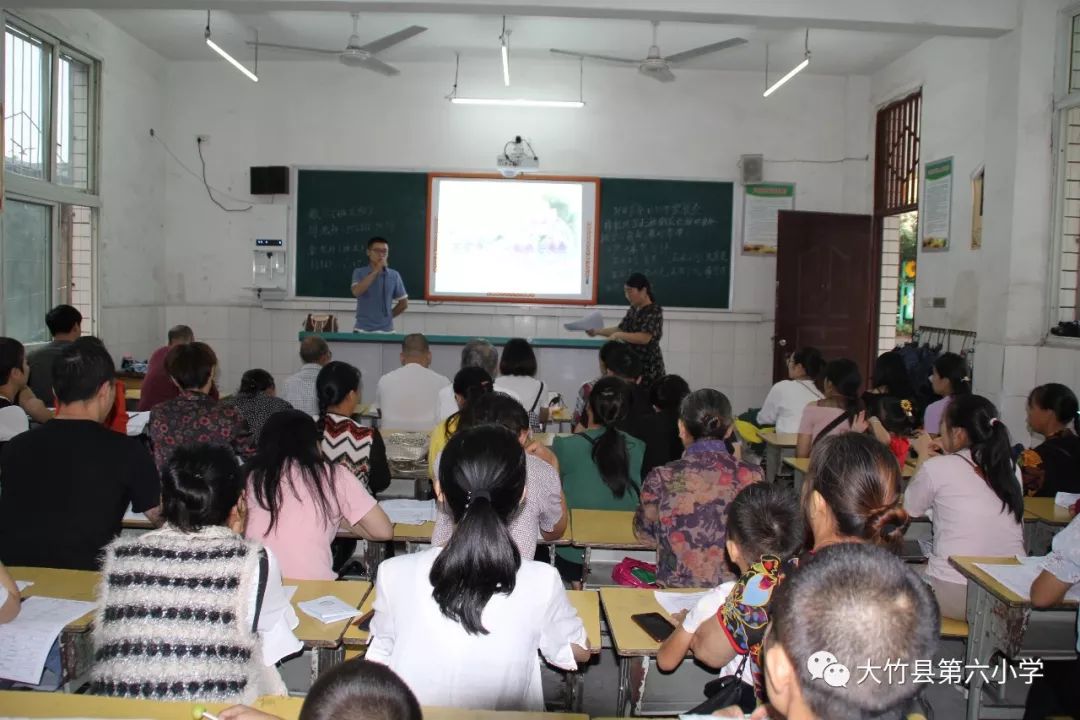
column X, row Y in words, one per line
column 781, row 342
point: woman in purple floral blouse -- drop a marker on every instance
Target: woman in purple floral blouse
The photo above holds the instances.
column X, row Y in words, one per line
column 193, row 416
column 684, row 503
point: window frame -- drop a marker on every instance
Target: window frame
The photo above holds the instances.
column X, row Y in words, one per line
column 48, row 191
column 1065, row 100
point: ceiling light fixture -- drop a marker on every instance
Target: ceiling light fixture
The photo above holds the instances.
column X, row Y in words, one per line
column 233, row 61
column 455, row 99
column 504, row 41
column 792, row 73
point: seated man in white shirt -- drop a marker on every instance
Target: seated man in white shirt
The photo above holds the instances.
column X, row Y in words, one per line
column 476, row 353
column 14, row 373
column 408, row 397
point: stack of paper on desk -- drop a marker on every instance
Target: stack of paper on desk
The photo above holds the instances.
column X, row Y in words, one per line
column 409, row 512
column 25, row 641
column 329, row 609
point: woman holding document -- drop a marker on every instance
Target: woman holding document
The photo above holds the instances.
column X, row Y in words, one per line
column 641, row 328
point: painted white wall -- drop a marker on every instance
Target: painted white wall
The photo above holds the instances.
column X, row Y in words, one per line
column 953, row 76
column 990, row 101
column 321, row 114
column 131, row 242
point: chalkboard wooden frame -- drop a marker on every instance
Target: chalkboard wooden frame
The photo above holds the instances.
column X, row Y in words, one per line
column 592, row 247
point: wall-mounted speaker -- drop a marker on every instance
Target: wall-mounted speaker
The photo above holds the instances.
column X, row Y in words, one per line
column 270, row 180
column 753, row 168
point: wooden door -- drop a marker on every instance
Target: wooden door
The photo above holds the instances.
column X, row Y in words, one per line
column 828, row 272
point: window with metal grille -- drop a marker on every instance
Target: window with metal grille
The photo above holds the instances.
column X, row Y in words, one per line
column 48, row 233
column 896, row 171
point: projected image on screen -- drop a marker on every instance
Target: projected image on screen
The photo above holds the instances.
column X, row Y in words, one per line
column 511, row 238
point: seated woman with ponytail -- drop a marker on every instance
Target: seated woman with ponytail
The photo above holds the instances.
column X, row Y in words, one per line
column 970, row 484
column 840, row 411
column 344, row 441
column 949, row 379
column 600, row 466
column 461, row 624
column 544, row 513
column 691, row 497
column 469, row 384
column 1053, row 466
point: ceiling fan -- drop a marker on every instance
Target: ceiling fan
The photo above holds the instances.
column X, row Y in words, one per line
column 355, row 54
column 656, row 65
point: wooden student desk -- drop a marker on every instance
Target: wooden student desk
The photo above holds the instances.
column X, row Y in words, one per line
column 777, row 446
column 76, row 643
column 325, row 640
column 998, row 621
column 633, row 646
column 604, row 529
column 52, row 705
column 1042, row 521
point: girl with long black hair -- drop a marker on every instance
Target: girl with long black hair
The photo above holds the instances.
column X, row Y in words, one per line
column 462, row 624
column 345, row 441
column 968, row 479
column 297, row 499
column 840, row 411
column 600, row 466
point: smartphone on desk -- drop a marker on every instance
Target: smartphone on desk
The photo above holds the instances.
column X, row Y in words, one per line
column 656, row 625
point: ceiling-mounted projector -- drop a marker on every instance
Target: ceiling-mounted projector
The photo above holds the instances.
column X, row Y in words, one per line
column 517, row 157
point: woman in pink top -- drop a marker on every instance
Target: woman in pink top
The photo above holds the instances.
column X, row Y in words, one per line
column 949, row 379
column 297, row 500
column 840, row 411
column 972, row 492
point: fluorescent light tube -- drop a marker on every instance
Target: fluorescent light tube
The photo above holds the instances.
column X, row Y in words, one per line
column 233, row 61
column 518, row 102
column 794, row 71
column 506, row 63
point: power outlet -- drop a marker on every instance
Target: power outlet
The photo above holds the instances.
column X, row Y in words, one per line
column 202, row 139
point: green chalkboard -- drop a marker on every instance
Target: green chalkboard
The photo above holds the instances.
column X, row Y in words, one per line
column 678, row 233
column 338, row 211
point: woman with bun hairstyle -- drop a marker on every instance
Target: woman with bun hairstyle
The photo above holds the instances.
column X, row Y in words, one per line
column 969, row 481
column 692, row 495
column 257, row 399
column 1053, row 466
column 852, row 493
column 840, row 411
column 949, row 380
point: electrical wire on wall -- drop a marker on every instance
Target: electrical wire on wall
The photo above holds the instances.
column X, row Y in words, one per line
column 201, row 177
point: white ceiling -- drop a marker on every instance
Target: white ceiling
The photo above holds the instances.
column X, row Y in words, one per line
column 178, row 35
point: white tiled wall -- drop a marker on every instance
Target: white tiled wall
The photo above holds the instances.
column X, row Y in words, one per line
column 731, row 352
